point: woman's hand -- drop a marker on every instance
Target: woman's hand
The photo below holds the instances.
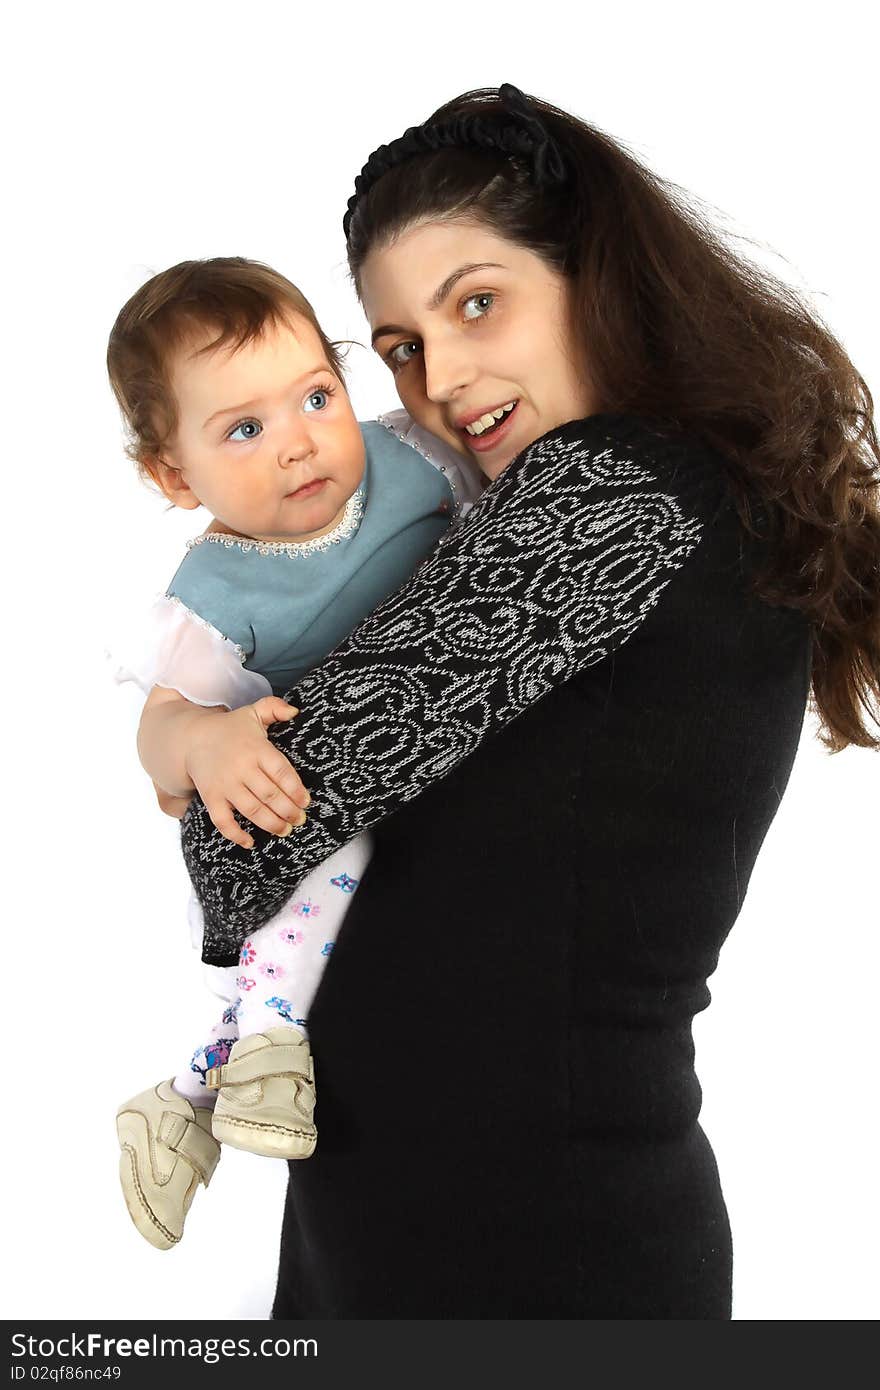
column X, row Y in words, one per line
column 234, row 767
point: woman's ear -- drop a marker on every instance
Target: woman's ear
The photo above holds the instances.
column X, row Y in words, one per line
column 169, row 479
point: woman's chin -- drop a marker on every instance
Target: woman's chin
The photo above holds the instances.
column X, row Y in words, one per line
column 456, row 442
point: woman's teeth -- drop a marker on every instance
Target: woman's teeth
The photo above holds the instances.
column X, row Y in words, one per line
column 490, row 420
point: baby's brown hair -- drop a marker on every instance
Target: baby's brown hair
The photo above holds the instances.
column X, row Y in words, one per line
column 237, row 297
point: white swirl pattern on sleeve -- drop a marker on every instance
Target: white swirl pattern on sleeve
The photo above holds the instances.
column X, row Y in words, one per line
column 555, row 567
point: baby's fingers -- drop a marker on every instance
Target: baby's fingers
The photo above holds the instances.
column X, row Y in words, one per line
column 221, row 814
column 259, row 808
column 268, row 794
column 285, row 776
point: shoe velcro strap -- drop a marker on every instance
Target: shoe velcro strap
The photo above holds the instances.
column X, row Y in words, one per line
column 188, row 1139
column 278, row 1060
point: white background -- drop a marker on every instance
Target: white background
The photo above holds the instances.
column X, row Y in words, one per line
column 143, row 135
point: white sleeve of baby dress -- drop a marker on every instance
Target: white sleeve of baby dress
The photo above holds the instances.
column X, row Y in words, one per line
column 462, row 474
column 175, row 648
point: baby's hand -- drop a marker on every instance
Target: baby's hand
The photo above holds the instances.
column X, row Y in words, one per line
column 172, row 805
column 234, row 767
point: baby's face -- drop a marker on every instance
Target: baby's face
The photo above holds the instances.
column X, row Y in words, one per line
column 266, row 438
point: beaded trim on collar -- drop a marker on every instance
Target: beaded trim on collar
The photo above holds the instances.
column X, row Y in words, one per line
column 414, row 438
column 351, row 520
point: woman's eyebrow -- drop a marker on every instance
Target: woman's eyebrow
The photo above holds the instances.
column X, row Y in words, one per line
column 439, row 295
column 442, row 291
column 246, row 405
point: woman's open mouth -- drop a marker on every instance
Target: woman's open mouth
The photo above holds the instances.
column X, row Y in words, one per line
column 483, row 434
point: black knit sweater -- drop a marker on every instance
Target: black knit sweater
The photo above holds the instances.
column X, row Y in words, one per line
column 555, row 568
column 570, row 731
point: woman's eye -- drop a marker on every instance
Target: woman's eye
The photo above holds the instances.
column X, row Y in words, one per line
column 481, row 303
column 318, row 400
column 399, row 356
column 246, row 431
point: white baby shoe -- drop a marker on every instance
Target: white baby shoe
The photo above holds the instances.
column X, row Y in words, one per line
column 167, row 1150
column 267, row 1095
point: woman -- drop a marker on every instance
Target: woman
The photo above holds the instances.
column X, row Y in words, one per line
column 570, row 730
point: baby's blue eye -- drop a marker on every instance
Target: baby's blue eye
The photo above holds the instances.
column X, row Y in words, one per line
column 246, row 425
column 318, row 400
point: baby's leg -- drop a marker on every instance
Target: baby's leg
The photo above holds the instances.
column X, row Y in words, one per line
column 282, row 963
column 266, row 1098
column 215, row 1049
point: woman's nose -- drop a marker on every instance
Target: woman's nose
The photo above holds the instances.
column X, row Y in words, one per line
column 448, row 369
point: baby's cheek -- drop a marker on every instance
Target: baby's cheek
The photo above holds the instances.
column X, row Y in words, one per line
column 355, row 456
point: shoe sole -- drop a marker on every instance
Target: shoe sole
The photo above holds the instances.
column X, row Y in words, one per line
column 270, row 1141
column 144, row 1218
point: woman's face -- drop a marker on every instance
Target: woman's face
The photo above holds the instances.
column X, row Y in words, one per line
column 472, row 324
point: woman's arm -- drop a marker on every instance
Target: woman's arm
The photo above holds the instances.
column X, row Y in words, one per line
column 555, row 567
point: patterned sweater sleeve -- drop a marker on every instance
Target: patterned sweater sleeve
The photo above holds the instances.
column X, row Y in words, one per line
column 555, row 567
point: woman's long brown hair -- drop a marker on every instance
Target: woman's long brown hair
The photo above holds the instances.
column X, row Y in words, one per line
column 676, row 326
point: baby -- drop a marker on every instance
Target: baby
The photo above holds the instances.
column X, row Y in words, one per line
column 234, row 400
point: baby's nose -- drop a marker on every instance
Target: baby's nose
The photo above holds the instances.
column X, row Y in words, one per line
column 297, row 445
